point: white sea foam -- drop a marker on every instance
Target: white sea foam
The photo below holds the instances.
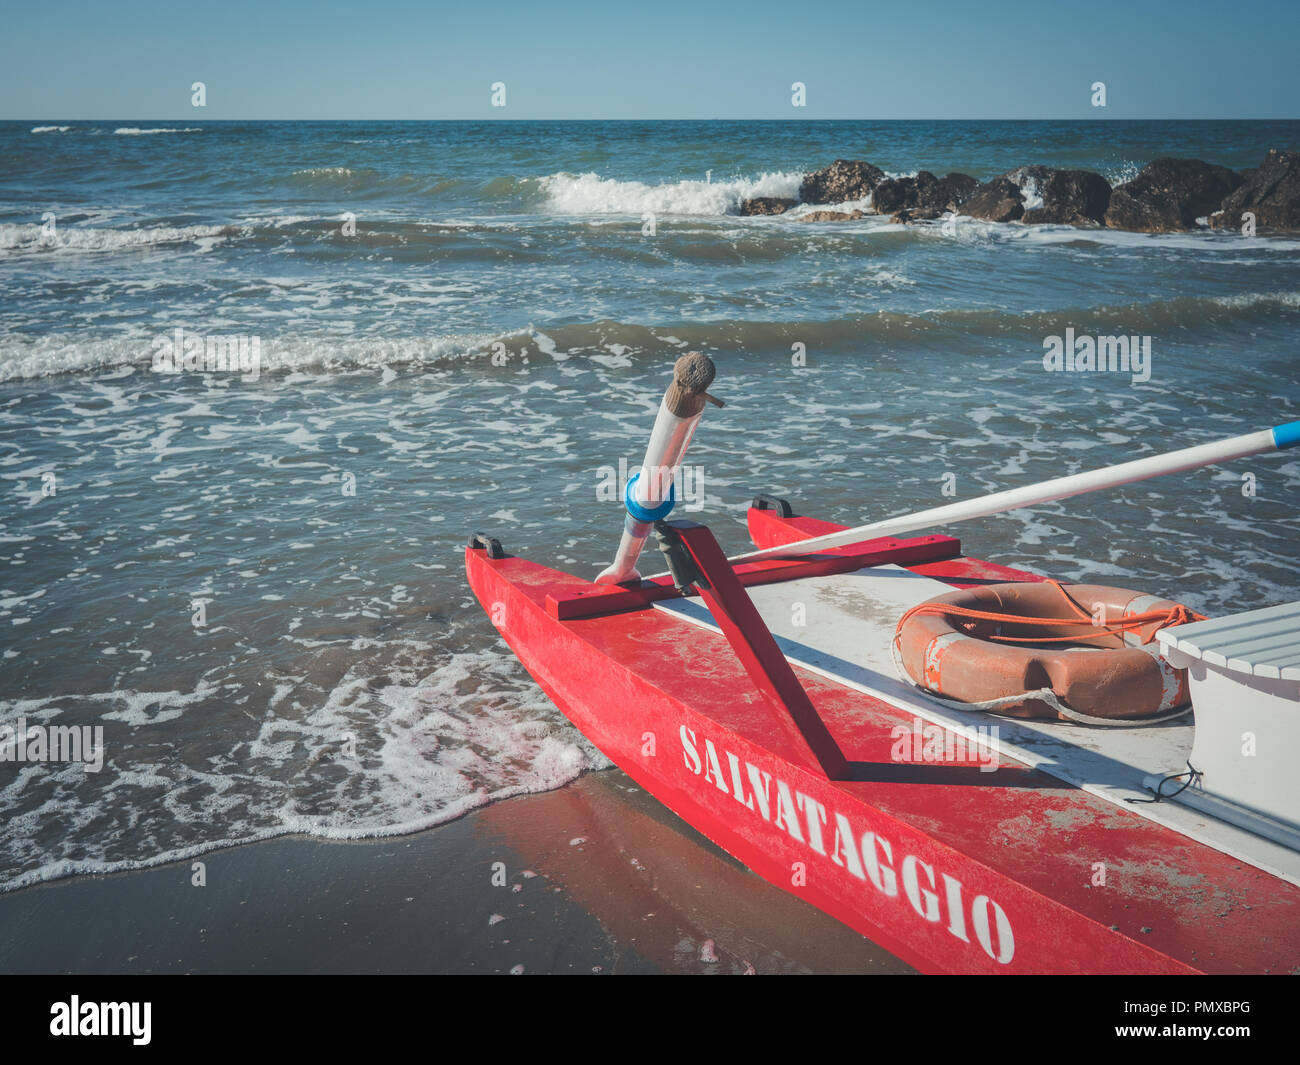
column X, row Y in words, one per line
column 136, row 131
column 327, row 173
column 430, row 750
column 32, row 237
column 1030, row 194
column 593, row 194
column 50, row 129
column 57, row 353
column 1244, row 300
column 1121, row 173
column 1216, row 242
column 846, row 207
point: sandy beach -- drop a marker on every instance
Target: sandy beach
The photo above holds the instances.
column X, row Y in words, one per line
column 598, row 878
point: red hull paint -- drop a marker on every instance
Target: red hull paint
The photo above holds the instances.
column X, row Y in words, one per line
column 951, row 869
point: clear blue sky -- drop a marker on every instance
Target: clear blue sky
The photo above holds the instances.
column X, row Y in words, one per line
column 400, row 59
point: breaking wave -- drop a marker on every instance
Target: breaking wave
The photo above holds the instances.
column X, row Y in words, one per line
column 53, row 354
column 136, row 131
column 620, row 343
column 32, row 237
column 593, row 194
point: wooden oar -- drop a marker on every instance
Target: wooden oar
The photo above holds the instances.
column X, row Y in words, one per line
column 1276, row 439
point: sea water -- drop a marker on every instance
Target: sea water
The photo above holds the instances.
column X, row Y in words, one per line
column 249, row 572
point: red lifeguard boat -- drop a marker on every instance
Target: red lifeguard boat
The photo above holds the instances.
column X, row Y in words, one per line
column 758, row 700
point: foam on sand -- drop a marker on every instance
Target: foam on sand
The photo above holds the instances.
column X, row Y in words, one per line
column 428, row 750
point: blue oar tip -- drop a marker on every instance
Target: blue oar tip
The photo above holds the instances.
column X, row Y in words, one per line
column 1287, row 435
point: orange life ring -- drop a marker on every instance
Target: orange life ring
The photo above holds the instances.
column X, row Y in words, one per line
column 970, row 645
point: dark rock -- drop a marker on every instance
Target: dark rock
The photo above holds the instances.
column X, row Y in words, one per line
column 829, row 216
column 1271, row 192
column 925, row 192
column 998, row 201
column 1070, row 197
column 956, row 190
column 844, row 179
column 1170, row 195
column 916, row 214
column 895, row 194
column 765, row 205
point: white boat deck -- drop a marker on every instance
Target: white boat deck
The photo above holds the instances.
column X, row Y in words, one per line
column 850, row 620
column 1258, row 643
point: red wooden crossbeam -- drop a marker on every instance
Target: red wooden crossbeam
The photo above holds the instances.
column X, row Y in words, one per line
column 756, row 648
column 616, row 598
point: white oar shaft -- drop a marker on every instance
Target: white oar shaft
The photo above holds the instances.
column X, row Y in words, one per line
column 650, row 493
column 668, row 443
column 1044, row 492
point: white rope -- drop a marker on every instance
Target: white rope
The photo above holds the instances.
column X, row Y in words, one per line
column 1047, row 695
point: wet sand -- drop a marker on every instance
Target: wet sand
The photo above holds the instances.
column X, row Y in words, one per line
column 598, row 877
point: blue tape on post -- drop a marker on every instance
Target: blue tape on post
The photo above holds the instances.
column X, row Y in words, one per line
column 1286, row 435
column 649, row 515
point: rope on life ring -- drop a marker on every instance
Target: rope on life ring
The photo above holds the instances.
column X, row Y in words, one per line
column 1045, row 695
column 993, row 668
column 1177, row 614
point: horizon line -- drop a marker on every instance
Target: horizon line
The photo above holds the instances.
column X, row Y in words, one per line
column 1145, row 118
